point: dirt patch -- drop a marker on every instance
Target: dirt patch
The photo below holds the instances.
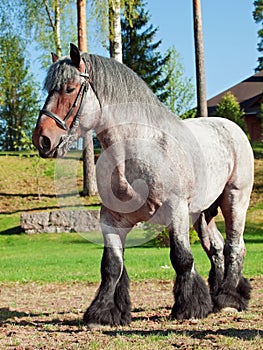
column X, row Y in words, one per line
column 49, row 316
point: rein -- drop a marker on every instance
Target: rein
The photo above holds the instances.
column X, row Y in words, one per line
column 67, row 139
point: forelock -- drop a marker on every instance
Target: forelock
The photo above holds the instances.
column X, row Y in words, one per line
column 59, row 73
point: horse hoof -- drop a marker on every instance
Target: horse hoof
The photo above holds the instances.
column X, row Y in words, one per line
column 229, row 310
column 231, row 297
column 196, row 303
column 94, row 326
column 94, row 318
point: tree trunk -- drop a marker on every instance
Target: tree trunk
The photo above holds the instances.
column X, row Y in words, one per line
column 115, row 30
column 89, row 177
column 199, row 58
column 82, row 25
column 55, row 25
column 57, row 28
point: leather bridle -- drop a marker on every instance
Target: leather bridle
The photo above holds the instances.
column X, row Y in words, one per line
column 68, row 138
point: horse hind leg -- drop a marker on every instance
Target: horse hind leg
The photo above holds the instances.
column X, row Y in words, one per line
column 192, row 298
column 213, row 244
column 235, row 289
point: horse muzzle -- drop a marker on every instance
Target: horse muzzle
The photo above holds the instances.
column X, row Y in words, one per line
column 50, row 146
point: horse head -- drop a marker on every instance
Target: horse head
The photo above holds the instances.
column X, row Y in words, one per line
column 69, row 98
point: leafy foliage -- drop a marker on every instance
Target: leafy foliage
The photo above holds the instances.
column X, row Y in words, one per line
column 180, row 89
column 229, row 108
column 45, row 19
column 258, row 17
column 18, row 96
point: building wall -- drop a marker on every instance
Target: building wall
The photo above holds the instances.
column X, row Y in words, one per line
column 254, row 127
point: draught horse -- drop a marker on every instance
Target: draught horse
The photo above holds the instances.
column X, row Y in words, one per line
column 154, row 167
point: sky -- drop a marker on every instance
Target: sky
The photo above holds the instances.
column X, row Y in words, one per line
column 229, row 34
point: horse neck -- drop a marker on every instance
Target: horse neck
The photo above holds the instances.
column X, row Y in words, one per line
column 124, row 121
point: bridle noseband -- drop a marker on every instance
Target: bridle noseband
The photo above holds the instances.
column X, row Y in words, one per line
column 80, row 99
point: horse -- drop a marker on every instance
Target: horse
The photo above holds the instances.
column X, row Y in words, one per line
column 155, row 168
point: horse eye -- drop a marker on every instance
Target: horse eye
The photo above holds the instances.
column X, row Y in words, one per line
column 69, row 89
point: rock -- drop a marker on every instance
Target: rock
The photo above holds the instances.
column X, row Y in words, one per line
column 60, row 221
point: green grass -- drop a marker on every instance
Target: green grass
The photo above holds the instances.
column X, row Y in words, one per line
column 258, row 149
column 48, row 258
column 70, row 257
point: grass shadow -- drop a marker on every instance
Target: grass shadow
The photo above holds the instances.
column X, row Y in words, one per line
column 16, row 230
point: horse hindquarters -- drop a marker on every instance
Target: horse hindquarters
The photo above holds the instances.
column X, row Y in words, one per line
column 192, row 298
column 111, row 305
column 234, row 201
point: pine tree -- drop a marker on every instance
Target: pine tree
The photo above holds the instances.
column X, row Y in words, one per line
column 258, row 17
column 139, row 51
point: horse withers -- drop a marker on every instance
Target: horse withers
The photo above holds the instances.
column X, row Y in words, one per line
column 157, row 168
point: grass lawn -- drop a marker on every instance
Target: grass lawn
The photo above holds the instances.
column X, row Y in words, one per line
column 70, row 257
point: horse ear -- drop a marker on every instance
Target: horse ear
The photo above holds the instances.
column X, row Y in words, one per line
column 54, row 57
column 75, row 55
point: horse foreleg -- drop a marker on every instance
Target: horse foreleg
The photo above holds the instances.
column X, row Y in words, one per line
column 111, row 305
column 235, row 289
column 192, row 298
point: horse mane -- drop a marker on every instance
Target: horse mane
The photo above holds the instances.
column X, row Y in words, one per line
column 113, row 82
column 116, row 83
column 59, row 73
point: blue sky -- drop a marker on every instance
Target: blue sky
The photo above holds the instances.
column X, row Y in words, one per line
column 229, row 32
column 230, row 39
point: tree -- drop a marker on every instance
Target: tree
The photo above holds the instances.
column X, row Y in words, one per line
column 229, row 108
column 19, row 103
column 45, row 19
column 139, row 51
column 89, row 177
column 82, row 25
column 258, row 17
column 180, row 89
column 115, row 38
column 107, row 14
column 199, row 61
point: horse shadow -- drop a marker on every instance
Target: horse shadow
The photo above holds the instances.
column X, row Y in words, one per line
column 6, row 314
column 22, row 319
column 243, row 334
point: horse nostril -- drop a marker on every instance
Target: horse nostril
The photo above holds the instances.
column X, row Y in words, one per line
column 45, row 143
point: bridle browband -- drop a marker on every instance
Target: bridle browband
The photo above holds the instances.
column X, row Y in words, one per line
column 67, row 139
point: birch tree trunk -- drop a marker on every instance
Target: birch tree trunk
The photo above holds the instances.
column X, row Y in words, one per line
column 115, row 30
column 89, row 177
column 55, row 25
column 199, row 61
column 57, row 28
